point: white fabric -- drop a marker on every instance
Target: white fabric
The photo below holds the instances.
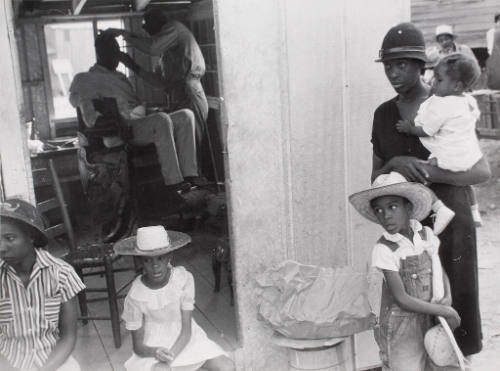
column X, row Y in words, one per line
column 159, row 311
column 490, row 38
column 70, row 365
column 450, row 123
column 384, row 258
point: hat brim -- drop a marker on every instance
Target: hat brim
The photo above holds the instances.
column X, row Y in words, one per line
column 453, row 342
column 403, row 55
column 128, row 246
column 445, row 33
column 40, row 238
column 418, row 195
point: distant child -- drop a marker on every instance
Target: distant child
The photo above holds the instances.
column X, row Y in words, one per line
column 407, row 254
column 38, row 306
column 158, row 309
column 446, row 121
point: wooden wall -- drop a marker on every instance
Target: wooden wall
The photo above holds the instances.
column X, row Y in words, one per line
column 470, row 18
column 34, row 76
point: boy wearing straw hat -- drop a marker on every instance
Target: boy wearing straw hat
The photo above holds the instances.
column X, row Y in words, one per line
column 38, row 309
column 414, row 288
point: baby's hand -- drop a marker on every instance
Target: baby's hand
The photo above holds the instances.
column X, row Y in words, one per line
column 164, row 355
column 403, row 126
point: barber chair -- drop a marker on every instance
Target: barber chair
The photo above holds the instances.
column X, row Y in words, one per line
column 123, row 185
column 104, row 172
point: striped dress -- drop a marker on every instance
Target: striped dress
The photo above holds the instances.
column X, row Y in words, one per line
column 29, row 316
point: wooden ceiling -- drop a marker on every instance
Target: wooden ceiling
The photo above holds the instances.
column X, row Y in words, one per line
column 34, row 8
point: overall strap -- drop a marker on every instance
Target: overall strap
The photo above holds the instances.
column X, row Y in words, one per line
column 391, row 245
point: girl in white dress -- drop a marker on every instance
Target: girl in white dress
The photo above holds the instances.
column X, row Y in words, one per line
column 158, row 309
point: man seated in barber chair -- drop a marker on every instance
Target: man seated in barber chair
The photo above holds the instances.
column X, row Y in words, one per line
column 172, row 134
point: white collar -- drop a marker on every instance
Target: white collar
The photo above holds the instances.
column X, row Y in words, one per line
column 397, row 237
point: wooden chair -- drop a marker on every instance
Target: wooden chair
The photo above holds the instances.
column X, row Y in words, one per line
column 83, row 257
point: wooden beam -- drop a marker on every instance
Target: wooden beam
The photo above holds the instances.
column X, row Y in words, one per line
column 141, row 4
column 78, row 6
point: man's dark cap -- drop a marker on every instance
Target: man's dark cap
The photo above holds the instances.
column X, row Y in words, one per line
column 404, row 40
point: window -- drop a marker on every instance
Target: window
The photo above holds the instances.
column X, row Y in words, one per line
column 70, row 50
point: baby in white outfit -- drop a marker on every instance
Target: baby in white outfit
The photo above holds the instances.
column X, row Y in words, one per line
column 446, row 122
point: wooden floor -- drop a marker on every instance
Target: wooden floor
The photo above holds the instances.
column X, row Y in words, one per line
column 95, row 350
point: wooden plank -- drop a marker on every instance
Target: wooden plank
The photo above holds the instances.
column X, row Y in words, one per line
column 34, row 64
column 141, row 4
column 77, row 6
column 40, row 111
column 46, row 78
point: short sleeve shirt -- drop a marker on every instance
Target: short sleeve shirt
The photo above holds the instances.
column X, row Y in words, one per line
column 384, row 258
column 29, row 316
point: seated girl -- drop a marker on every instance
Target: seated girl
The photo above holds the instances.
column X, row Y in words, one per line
column 158, row 309
column 38, row 309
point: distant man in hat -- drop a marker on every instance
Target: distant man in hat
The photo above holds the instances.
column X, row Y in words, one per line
column 445, row 37
column 181, row 63
column 490, row 35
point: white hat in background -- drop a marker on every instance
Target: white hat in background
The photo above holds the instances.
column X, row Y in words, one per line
column 444, row 29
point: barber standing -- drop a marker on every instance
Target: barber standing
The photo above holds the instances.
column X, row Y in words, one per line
column 181, row 64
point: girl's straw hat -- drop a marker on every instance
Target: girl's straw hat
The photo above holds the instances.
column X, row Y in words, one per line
column 152, row 241
column 27, row 214
column 393, row 184
column 442, row 347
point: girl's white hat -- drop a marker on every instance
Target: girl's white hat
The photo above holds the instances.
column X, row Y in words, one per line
column 442, row 347
column 393, row 184
column 151, row 241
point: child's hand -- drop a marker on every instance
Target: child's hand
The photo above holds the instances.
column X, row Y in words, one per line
column 445, row 300
column 404, row 126
column 164, row 355
column 452, row 317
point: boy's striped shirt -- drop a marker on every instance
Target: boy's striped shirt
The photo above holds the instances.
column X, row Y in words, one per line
column 29, row 316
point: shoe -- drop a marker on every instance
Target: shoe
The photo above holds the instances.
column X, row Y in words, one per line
column 442, row 218
column 476, row 216
column 198, row 181
column 181, row 187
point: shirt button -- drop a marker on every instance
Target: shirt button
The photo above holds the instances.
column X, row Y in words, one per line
column 414, row 276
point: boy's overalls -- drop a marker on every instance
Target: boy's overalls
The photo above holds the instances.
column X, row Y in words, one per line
column 400, row 334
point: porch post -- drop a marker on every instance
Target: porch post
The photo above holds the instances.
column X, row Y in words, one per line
column 16, row 168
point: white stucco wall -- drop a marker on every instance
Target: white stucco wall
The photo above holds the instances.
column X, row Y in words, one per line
column 13, row 144
column 300, row 86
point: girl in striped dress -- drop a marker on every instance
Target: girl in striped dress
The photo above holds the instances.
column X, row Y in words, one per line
column 38, row 309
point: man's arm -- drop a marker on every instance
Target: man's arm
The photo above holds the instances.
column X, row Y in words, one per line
column 411, row 168
column 152, row 78
column 139, row 42
column 479, row 173
column 67, row 336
